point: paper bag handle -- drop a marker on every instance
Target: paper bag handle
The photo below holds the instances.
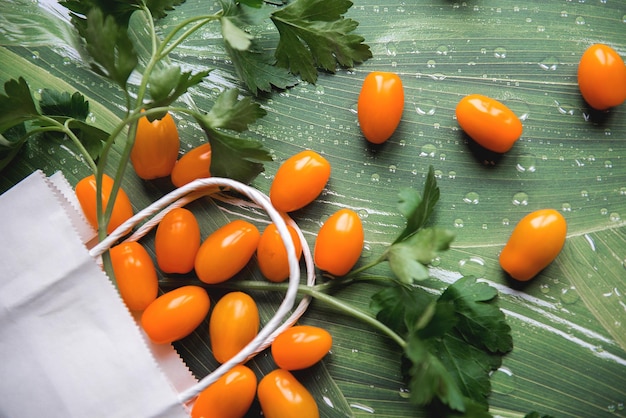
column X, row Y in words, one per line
column 202, row 187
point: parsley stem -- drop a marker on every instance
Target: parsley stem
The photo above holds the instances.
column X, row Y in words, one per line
column 201, row 21
column 131, row 122
column 317, row 292
column 353, row 312
column 350, row 279
column 159, row 52
column 119, row 176
column 368, row 266
column 80, row 146
column 64, row 128
column 152, row 30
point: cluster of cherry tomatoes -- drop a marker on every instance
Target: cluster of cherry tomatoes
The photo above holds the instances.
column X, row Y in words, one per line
column 539, row 237
column 601, row 80
column 155, row 153
column 279, row 393
column 234, row 320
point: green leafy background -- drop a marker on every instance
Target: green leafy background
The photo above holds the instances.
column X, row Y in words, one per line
column 569, row 324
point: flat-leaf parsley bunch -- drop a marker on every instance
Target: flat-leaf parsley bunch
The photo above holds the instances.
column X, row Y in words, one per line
column 313, row 35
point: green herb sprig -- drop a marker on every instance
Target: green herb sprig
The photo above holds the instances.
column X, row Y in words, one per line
column 450, row 342
column 109, row 48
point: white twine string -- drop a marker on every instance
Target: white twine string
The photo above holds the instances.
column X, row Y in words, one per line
column 275, row 325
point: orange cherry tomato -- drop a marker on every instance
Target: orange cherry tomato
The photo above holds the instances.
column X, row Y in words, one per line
column 233, row 324
column 535, row 242
column 380, row 106
column 488, row 122
column 86, row 195
column 602, row 77
column 156, row 147
column 272, row 255
column 299, row 180
column 300, row 346
column 177, row 241
column 339, row 242
column 175, row 314
column 135, row 275
column 226, row 251
column 282, row 396
column 194, row 164
column 229, row 397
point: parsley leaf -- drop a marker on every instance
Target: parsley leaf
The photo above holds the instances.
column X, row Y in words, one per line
column 472, row 410
column 54, row 102
column 159, row 8
column 470, row 367
column 17, row 105
column 438, row 319
column 233, row 157
column 11, row 141
column 230, row 112
column 256, row 68
column 53, row 110
column 253, row 65
column 314, row 34
column 409, row 308
column 409, row 259
column 481, row 322
column 416, row 246
column 121, row 10
column 399, row 306
column 108, row 44
column 417, row 208
column 73, row 109
column 454, row 342
column 479, row 339
column 91, row 137
column 234, row 36
column 236, row 158
column 429, row 378
column 167, row 83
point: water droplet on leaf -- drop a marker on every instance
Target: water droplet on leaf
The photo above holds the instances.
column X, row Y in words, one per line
column 520, row 199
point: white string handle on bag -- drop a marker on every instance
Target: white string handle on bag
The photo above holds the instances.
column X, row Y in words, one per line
column 277, row 323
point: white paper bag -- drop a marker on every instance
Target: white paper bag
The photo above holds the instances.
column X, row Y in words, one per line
column 68, row 345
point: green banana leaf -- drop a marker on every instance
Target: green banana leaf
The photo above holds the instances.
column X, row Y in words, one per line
column 569, row 324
